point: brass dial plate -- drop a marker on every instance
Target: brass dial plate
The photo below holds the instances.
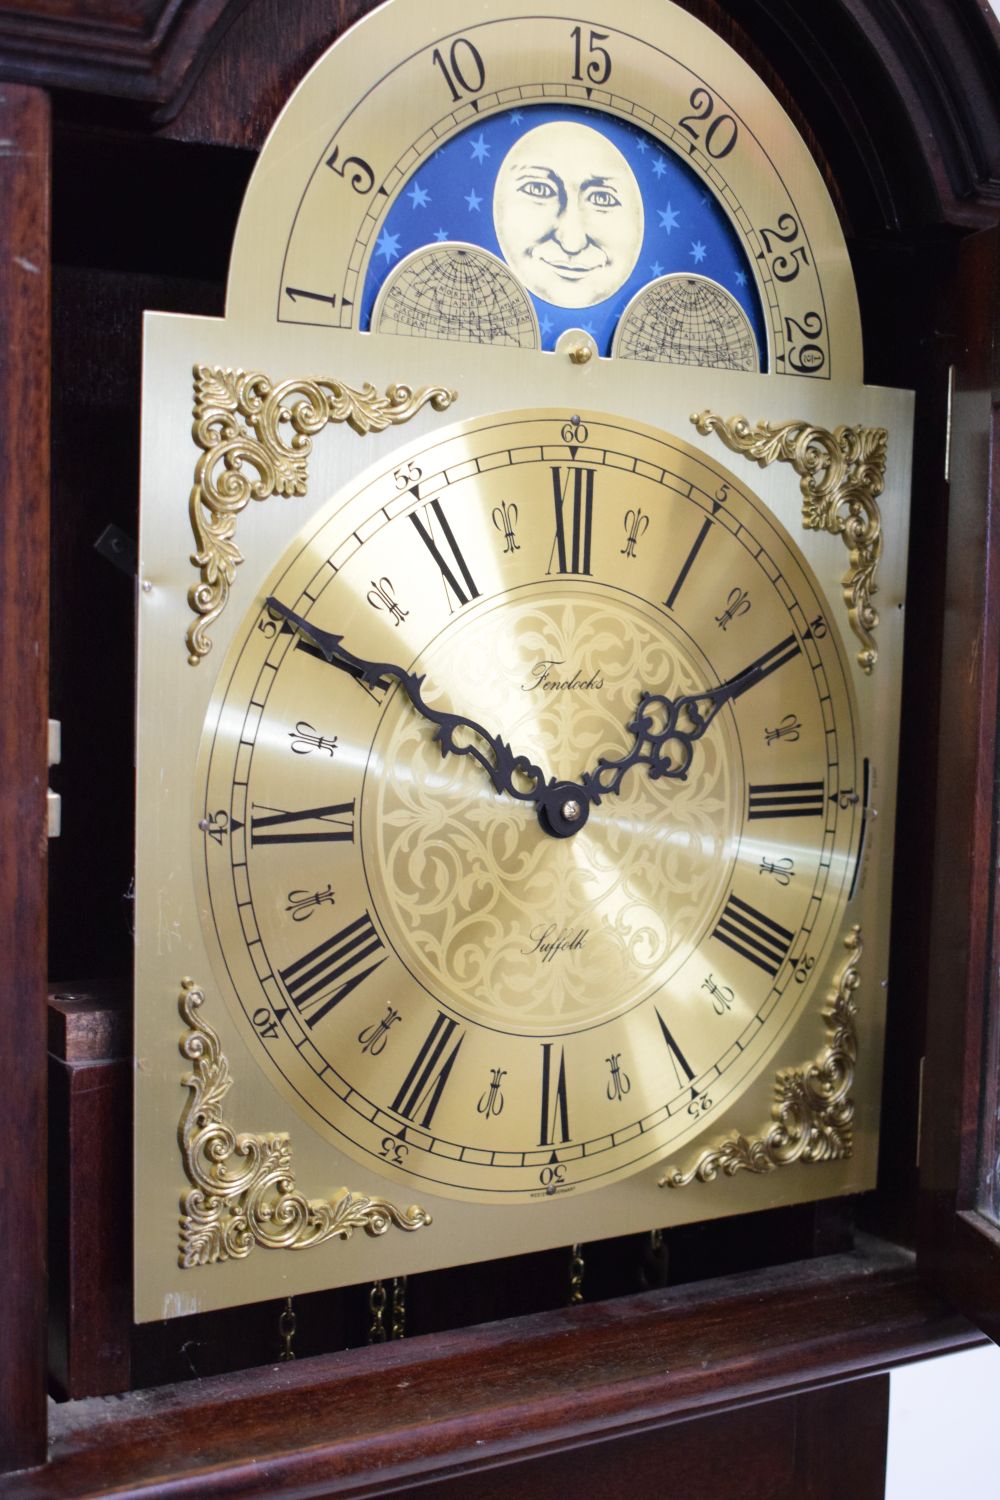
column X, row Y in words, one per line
column 446, row 990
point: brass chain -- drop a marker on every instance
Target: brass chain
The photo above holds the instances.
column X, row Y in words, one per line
column 376, row 1303
column 576, row 1270
column 286, row 1327
column 399, row 1307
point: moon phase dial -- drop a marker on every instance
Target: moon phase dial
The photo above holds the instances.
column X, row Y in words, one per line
column 586, row 156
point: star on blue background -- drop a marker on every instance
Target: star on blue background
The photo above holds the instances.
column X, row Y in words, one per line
column 459, row 179
column 388, row 246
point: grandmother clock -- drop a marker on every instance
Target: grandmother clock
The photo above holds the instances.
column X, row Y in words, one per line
column 520, row 630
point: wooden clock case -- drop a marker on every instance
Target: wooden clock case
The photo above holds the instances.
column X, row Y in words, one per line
column 131, row 128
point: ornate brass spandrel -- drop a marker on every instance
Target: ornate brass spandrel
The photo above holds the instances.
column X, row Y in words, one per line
column 244, row 422
column 842, row 474
column 243, row 1192
column 813, row 1112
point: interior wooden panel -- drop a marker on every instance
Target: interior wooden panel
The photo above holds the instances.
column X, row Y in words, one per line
column 24, row 539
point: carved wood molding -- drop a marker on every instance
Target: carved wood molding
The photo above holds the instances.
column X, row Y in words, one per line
column 423, row 1411
column 943, row 61
column 148, row 51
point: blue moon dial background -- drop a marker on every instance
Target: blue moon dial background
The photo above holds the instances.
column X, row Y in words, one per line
column 450, row 197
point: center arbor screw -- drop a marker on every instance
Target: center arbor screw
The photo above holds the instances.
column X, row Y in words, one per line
column 572, row 810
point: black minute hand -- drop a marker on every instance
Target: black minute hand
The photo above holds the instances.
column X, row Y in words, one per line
column 666, row 729
column 513, row 774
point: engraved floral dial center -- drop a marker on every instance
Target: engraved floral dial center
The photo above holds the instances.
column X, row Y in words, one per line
column 572, row 915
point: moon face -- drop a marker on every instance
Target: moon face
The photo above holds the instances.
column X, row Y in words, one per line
column 568, row 214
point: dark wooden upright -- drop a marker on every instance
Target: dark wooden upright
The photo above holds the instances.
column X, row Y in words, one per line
column 24, row 572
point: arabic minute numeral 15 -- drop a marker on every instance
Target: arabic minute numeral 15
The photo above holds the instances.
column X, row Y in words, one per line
column 599, row 66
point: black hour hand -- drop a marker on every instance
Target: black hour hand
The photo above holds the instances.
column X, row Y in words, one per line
column 666, row 730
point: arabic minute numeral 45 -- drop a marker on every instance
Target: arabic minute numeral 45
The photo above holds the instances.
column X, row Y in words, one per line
column 720, row 136
column 216, row 825
column 804, row 355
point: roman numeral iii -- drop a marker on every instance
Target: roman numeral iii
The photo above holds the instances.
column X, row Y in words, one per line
column 786, row 799
column 753, row 935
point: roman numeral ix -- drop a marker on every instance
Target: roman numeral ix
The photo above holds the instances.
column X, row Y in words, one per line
column 331, row 825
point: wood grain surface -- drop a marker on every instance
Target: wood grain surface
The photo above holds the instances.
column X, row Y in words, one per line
column 404, row 1414
column 24, row 539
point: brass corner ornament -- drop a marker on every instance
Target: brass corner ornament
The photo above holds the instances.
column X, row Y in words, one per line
column 813, row 1112
column 242, row 421
column 842, row 474
column 243, row 1187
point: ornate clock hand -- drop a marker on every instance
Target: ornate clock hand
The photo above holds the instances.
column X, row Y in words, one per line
column 669, row 749
column 514, row 775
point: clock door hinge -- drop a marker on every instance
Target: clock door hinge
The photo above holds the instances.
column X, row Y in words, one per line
column 53, row 799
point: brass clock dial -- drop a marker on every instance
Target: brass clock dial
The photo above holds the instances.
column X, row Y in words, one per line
column 450, row 990
column 508, row 785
